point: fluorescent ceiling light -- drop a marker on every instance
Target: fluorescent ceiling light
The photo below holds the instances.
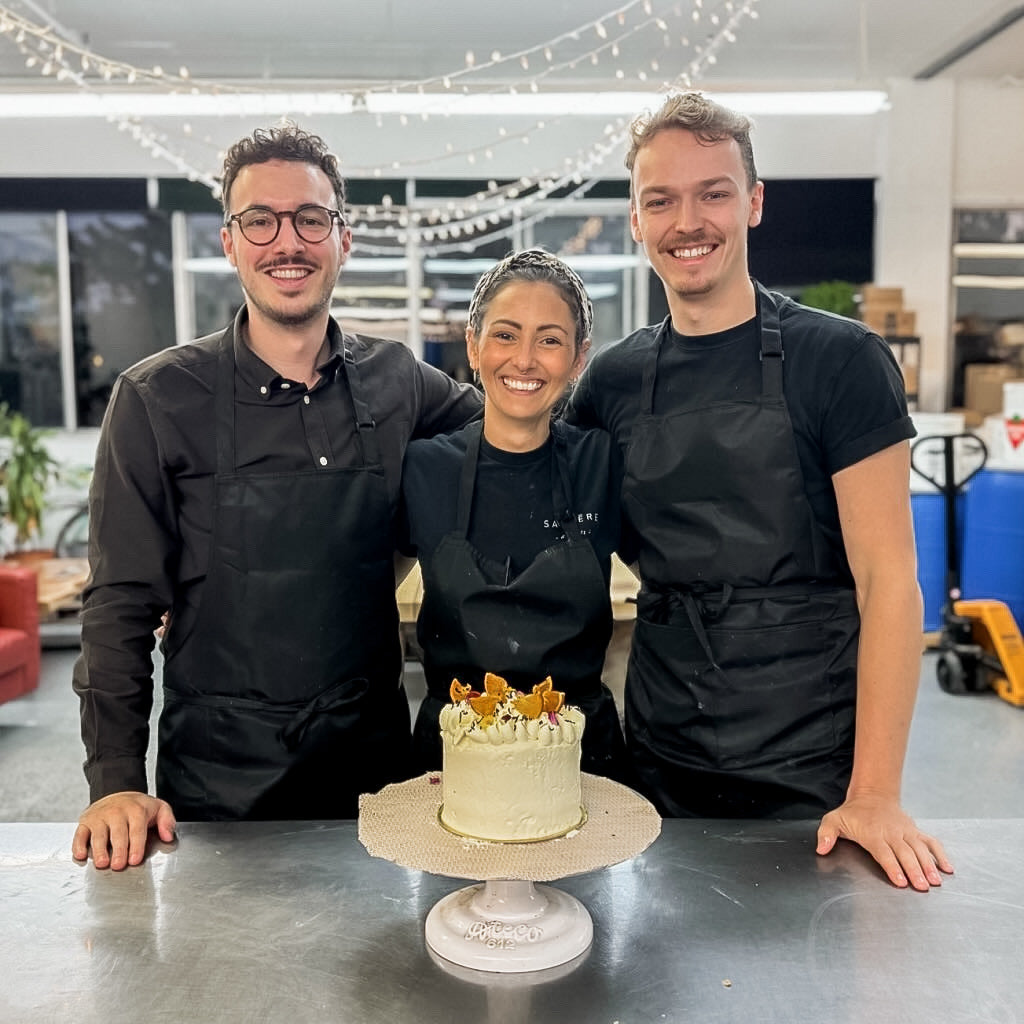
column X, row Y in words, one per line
column 596, row 263
column 93, row 103
column 851, row 101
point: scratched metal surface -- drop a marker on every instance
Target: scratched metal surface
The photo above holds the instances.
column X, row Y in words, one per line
column 716, row 921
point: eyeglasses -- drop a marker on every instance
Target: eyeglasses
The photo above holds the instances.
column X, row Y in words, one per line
column 261, row 226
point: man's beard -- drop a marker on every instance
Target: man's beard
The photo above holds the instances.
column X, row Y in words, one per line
column 292, row 318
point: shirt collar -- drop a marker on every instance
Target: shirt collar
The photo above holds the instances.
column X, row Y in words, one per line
column 263, row 379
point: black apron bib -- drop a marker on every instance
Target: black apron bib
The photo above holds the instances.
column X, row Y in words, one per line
column 553, row 619
column 742, row 675
column 281, row 690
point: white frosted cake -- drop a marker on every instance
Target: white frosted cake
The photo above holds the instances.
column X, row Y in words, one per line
column 511, row 763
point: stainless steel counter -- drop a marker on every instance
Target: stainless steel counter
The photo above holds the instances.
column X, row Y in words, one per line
column 716, row 921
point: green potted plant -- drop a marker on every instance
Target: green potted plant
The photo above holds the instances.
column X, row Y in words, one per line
column 26, row 471
column 832, row 296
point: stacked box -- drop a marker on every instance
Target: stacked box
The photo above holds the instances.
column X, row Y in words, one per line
column 882, row 310
column 983, row 386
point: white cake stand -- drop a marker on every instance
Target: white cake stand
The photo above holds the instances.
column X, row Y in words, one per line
column 508, row 923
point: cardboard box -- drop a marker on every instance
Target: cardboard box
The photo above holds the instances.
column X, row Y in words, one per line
column 972, row 419
column 873, row 294
column 886, row 320
column 983, row 386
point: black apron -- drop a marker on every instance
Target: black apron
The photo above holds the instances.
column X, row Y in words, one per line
column 741, row 683
column 281, row 690
column 553, row 619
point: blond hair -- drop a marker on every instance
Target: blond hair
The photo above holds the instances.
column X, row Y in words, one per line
column 710, row 122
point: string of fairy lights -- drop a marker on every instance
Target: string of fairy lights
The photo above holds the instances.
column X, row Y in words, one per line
column 687, row 34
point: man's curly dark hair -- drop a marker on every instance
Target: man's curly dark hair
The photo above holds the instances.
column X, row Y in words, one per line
column 282, row 142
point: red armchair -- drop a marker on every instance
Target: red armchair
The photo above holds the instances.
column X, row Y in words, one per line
column 19, row 632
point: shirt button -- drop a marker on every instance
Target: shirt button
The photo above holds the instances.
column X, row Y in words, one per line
column 323, row 460
column 285, row 385
column 305, row 398
column 263, row 389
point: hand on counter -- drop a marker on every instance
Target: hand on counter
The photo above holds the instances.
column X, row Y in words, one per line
column 888, row 833
column 115, row 829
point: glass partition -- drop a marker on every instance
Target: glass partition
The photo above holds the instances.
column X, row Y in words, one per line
column 30, row 365
column 122, row 299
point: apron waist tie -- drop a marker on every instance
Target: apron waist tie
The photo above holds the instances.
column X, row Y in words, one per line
column 334, row 698
column 656, row 602
column 702, row 604
column 348, row 691
column 658, row 605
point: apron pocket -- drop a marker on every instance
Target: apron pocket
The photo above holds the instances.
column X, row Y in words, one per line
column 224, row 759
column 669, row 708
column 775, row 700
column 784, row 695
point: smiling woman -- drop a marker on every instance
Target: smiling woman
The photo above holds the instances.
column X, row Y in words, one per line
column 526, row 351
column 514, row 522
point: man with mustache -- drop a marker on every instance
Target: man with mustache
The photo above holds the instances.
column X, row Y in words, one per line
column 776, row 655
column 247, row 483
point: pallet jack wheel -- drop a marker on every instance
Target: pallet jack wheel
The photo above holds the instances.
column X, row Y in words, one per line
column 950, row 670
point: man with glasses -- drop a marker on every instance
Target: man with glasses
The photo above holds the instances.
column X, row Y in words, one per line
column 247, row 483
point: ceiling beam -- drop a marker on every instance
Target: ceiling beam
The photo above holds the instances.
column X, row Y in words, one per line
column 979, row 39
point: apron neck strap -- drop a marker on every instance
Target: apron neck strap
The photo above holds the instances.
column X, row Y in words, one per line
column 366, row 431
column 771, row 354
column 561, row 487
column 467, row 478
column 224, row 403
column 651, row 368
column 771, row 345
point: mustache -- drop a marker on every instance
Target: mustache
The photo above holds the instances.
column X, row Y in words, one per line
column 688, row 241
column 288, row 261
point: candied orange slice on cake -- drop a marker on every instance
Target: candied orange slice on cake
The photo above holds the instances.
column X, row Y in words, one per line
column 495, row 689
column 458, row 691
column 553, row 699
column 529, row 706
column 543, row 699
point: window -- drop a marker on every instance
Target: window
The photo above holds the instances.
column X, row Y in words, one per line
column 122, row 299
column 215, row 291
column 30, row 365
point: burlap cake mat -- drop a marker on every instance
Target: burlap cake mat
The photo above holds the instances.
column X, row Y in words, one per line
column 400, row 824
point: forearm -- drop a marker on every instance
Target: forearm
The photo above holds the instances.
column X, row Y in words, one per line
column 888, row 669
column 113, row 678
column 131, row 553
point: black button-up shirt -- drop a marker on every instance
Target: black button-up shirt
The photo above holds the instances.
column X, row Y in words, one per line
column 152, row 498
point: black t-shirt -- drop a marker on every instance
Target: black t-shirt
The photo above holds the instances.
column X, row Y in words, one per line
column 514, row 517
column 843, row 389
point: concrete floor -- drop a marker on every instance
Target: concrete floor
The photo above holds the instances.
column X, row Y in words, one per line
column 965, row 758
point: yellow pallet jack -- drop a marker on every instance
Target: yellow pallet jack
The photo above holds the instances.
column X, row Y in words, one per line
column 980, row 645
column 996, row 646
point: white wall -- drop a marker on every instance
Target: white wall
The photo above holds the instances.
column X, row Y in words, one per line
column 914, row 202
column 989, row 150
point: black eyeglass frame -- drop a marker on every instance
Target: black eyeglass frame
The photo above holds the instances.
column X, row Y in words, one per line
column 279, row 215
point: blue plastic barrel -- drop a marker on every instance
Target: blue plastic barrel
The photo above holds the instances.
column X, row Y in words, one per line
column 929, row 513
column 993, row 565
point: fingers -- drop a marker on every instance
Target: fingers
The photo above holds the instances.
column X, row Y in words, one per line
column 909, row 857
column 827, row 837
column 911, row 860
column 165, row 822
column 91, row 839
column 938, row 852
column 115, row 830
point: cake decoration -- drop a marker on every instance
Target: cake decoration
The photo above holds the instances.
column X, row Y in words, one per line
column 511, row 762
